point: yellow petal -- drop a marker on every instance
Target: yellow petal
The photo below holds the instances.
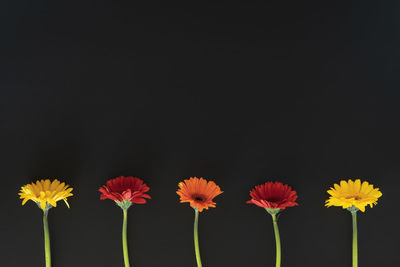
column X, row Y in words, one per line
column 66, row 202
column 24, row 201
column 357, row 185
column 361, row 207
column 54, row 185
column 344, row 185
column 52, row 202
column 60, row 187
column 46, row 185
column 43, row 205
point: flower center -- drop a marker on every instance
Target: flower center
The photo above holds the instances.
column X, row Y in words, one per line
column 274, row 200
column 198, row 198
column 355, row 197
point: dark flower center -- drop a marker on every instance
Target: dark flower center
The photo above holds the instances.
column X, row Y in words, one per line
column 355, row 197
column 198, row 198
column 274, row 200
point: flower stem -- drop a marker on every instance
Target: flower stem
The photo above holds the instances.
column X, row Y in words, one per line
column 124, row 238
column 355, row 237
column 46, row 238
column 277, row 240
column 196, row 237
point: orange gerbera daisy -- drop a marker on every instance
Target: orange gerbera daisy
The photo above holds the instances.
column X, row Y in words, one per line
column 198, row 192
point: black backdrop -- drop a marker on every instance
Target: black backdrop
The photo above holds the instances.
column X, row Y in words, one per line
column 237, row 92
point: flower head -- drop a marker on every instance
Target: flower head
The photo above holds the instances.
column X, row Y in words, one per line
column 198, row 192
column 125, row 191
column 273, row 195
column 353, row 194
column 46, row 193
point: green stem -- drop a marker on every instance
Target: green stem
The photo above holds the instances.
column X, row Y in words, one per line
column 355, row 237
column 46, row 238
column 124, row 238
column 196, row 237
column 277, row 240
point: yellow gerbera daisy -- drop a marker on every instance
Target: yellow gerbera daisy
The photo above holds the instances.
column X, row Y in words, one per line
column 45, row 191
column 353, row 194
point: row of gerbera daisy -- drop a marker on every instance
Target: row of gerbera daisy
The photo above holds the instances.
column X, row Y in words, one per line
column 274, row 197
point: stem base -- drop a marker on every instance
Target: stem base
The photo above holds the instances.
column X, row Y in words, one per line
column 277, row 240
column 46, row 238
column 124, row 238
column 196, row 237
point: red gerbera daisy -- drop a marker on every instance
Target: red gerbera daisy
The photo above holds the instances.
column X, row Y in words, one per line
column 125, row 189
column 273, row 196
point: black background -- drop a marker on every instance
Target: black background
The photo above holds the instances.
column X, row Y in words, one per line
column 237, row 92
